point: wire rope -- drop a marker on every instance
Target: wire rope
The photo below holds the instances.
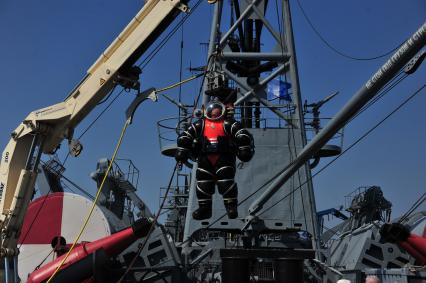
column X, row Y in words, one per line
column 353, row 144
column 331, row 47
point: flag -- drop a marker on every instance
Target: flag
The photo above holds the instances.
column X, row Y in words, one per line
column 279, row 89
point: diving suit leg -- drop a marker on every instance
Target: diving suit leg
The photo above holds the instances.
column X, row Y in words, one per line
column 227, row 186
column 205, row 191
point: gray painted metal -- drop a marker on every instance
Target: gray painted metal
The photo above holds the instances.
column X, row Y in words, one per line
column 267, row 24
column 244, row 4
column 259, row 94
column 361, row 251
column 402, row 275
column 362, row 248
column 217, row 14
column 237, row 23
column 274, row 147
column 254, row 56
column 365, row 94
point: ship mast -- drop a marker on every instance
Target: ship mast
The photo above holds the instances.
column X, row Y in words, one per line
column 255, row 55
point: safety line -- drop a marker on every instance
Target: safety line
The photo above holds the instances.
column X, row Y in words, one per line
column 180, row 83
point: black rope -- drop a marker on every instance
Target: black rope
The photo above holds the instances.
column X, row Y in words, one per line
column 141, row 247
column 180, row 68
column 413, row 208
column 163, row 42
column 38, row 266
column 35, row 218
column 100, row 114
column 335, row 49
column 385, row 90
column 95, row 120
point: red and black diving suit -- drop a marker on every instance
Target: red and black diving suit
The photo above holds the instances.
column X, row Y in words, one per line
column 215, row 141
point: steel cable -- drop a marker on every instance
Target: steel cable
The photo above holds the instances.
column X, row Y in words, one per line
column 352, row 145
column 335, row 49
column 141, row 247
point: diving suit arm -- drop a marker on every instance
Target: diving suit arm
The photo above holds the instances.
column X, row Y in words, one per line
column 242, row 139
column 187, row 142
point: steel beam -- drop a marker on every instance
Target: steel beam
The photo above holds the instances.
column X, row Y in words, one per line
column 267, row 24
column 217, row 14
column 262, row 83
column 256, row 56
column 252, row 93
column 368, row 91
column 297, row 99
column 237, row 23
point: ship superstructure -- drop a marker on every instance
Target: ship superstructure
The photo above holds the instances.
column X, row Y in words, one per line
column 277, row 236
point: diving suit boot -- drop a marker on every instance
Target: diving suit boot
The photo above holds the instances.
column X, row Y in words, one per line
column 231, row 210
column 203, row 212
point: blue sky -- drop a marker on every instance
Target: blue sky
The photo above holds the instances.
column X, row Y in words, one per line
column 47, row 46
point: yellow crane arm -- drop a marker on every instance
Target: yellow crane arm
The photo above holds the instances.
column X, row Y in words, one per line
column 43, row 130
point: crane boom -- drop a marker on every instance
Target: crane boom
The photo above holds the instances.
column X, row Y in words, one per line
column 43, row 130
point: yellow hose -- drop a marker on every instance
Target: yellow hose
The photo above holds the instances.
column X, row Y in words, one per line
column 179, row 83
column 94, row 202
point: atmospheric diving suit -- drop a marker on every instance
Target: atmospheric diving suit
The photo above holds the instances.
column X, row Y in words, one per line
column 215, row 140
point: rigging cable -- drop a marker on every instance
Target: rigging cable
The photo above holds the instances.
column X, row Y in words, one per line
column 281, row 24
column 123, row 131
column 145, row 62
column 163, row 42
column 35, row 218
column 118, row 95
column 152, row 228
column 87, row 194
column 41, row 263
column 180, row 67
column 335, row 49
column 171, row 179
column 413, row 208
column 180, row 83
column 95, row 120
column 354, row 143
column 385, row 90
column 290, row 130
column 322, row 169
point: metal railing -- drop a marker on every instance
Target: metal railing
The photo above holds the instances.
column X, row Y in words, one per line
column 177, row 197
column 337, row 139
column 131, row 173
column 169, row 128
